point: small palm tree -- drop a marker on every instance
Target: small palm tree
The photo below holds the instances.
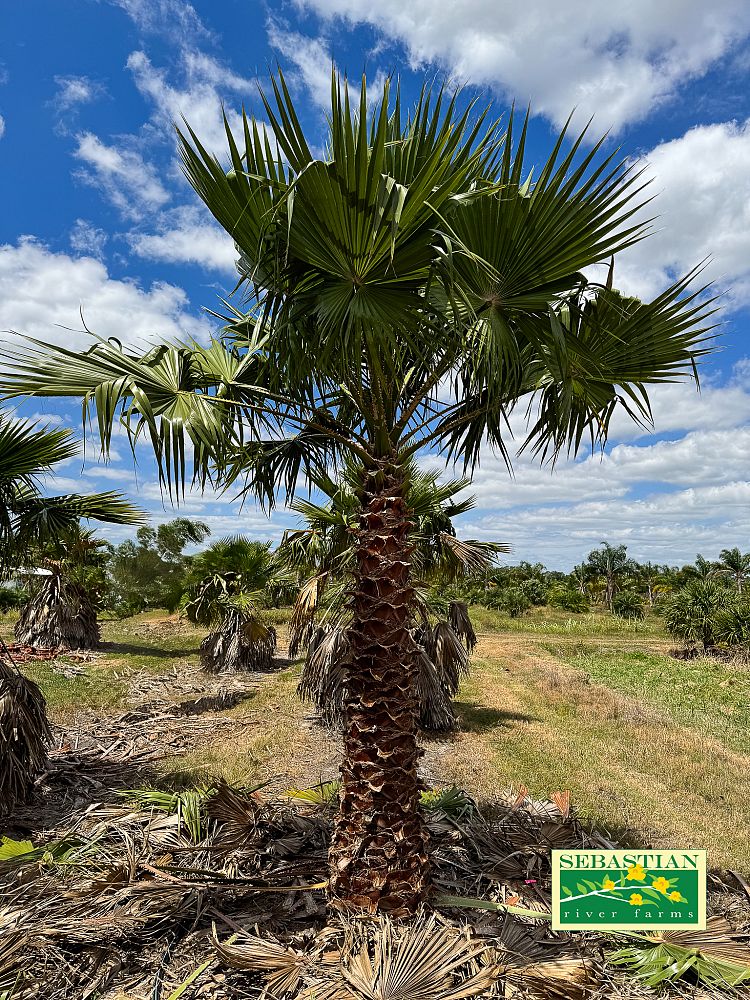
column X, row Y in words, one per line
column 28, row 519
column 693, row 612
column 229, row 584
column 734, row 564
column 325, row 552
column 405, row 291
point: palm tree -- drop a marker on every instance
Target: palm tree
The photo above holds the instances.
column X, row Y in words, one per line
column 655, row 579
column 611, row 563
column 229, row 582
column 735, row 564
column 323, row 550
column 405, row 291
column 28, row 518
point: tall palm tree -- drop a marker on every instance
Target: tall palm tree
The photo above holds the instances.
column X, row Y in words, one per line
column 735, row 564
column 405, row 291
column 611, row 563
column 29, row 519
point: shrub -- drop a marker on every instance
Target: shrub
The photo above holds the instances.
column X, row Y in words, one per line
column 535, row 591
column 628, row 604
column 694, row 613
column 511, row 600
column 12, row 598
column 567, row 599
column 732, row 625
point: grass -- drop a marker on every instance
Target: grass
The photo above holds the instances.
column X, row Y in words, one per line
column 654, row 750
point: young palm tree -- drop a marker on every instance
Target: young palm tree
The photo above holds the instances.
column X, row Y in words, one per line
column 323, row 550
column 611, row 563
column 405, row 291
column 735, row 564
column 229, row 582
column 28, row 518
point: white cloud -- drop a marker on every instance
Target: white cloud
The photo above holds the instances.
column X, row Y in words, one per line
column 2, row 126
column 72, row 91
column 123, row 176
column 703, row 207
column 176, row 19
column 618, row 62
column 187, row 237
column 111, row 307
column 314, row 62
column 205, row 82
column 87, row 239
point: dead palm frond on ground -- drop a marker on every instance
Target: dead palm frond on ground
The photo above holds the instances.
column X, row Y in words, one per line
column 24, row 734
column 228, row 883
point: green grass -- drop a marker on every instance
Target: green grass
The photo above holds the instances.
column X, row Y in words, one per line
column 707, row 695
column 552, row 622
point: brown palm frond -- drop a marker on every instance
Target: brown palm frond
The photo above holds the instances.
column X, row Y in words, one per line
column 435, row 707
column 715, row 942
column 59, row 614
column 24, row 736
column 421, row 961
column 323, row 679
column 460, row 621
column 302, row 622
column 241, row 643
column 237, row 813
column 449, row 656
column 284, row 966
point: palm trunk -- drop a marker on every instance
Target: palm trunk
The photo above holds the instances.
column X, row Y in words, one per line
column 378, row 855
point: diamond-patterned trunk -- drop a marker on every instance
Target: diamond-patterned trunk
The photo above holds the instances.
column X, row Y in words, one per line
column 379, row 857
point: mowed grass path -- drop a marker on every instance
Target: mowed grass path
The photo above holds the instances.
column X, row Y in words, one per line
column 654, row 750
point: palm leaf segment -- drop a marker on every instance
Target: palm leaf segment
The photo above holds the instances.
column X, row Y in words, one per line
column 27, row 516
column 405, row 290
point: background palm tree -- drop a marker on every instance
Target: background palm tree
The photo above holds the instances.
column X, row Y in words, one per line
column 324, row 552
column 404, row 291
column 229, row 583
column 612, row 564
column 29, row 519
column 735, row 564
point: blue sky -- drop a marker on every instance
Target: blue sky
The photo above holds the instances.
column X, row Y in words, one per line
column 96, row 215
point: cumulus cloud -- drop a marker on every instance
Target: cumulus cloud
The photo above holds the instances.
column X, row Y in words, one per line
column 617, row 63
column 111, row 308
column 186, row 237
column 122, row 175
column 702, row 180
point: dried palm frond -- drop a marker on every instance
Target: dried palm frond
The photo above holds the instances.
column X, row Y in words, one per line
column 284, row 966
column 59, row 613
column 435, row 707
column 323, row 678
column 237, row 812
column 713, row 955
column 241, row 643
column 421, row 961
column 460, row 622
column 449, row 656
column 302, row 622
column 24, row 736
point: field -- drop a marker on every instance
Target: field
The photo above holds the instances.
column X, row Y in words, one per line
column 654, row 749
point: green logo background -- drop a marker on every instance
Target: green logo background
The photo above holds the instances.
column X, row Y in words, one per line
column 628, row 890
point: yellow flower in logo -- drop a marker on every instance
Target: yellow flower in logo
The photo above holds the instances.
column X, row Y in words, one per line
column 661, row 883
column 636, row 873
column 636, row 899
column 675, row 897
column 608, row 884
